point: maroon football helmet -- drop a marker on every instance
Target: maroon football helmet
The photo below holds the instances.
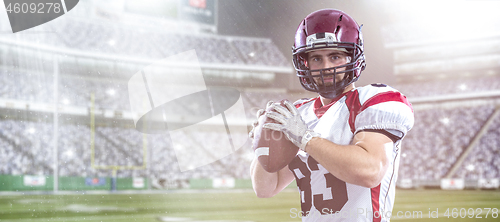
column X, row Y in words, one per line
column 328, row 29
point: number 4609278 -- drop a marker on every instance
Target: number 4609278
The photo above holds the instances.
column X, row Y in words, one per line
column 33, row 8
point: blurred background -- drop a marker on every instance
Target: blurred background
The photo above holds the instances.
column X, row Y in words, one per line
column 443, row 55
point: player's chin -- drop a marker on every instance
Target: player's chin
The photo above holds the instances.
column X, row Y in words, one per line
column 326, row 83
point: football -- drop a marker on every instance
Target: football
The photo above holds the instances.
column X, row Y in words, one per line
column 273, row 150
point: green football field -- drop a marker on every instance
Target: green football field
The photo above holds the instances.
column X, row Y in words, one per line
column 239, row 205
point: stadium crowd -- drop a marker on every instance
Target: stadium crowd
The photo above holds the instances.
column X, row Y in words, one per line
column 26, row 150
column 484, row 161
column 118, row 39
column 438, row 138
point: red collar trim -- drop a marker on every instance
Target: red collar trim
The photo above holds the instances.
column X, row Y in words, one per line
column 318, row 107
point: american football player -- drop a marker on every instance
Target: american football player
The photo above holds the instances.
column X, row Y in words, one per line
column 349, row 137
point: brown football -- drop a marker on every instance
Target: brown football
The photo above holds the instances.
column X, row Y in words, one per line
column 273, row 150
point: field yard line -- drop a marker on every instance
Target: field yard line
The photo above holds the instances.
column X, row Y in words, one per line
column 180, row 219
column 139, row 217
column 248, row 190
column 113, row 217
column 462, row 204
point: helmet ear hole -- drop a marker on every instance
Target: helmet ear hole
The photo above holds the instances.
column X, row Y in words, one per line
column 303, row 60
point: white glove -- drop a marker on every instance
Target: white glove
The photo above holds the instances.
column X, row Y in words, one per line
column 259, row 113
column 291, row 124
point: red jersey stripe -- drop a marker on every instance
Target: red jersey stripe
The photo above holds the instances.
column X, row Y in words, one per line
column 386, row 97
column 300, row 104
column 354, row 106
column 319, row 109
column 377, row 215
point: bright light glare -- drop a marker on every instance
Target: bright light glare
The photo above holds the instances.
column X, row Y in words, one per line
column 249, row 156
column 31, row 130
column 470, row 167
column 449, row 19
column 111, row 92
column 445, row 120
column 462, row 87
column 70, row 153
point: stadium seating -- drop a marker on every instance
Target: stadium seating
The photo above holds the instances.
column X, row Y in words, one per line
column 104, row 37
column 438, row 138
column 421, row 159
column 483, row 162
column 450, row 86
column 425, row 156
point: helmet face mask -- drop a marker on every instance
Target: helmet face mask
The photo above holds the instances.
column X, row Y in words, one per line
column 334, row 30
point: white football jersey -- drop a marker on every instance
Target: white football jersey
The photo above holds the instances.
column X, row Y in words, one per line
column 327, row 198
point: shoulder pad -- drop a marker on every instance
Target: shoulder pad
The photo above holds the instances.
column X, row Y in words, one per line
column 366, row 92
column 382, row 107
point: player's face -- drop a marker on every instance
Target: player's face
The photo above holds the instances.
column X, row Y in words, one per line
column 324, row 59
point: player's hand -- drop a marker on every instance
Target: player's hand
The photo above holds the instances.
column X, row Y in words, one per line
column 255, row 123
column 291, row 124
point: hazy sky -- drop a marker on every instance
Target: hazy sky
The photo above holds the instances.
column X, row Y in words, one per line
column 420, row 23
column 278, row 20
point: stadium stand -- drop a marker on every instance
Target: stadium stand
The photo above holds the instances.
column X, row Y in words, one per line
column 450, row 86
column 260, row 52
column 108, row 38
column 25, row 144
column 429, row 156
column 421, row 159
column 484, row 159
column 424, row 155
column 438, row 138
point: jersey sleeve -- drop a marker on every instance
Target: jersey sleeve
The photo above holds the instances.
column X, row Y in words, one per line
column 384, row 108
